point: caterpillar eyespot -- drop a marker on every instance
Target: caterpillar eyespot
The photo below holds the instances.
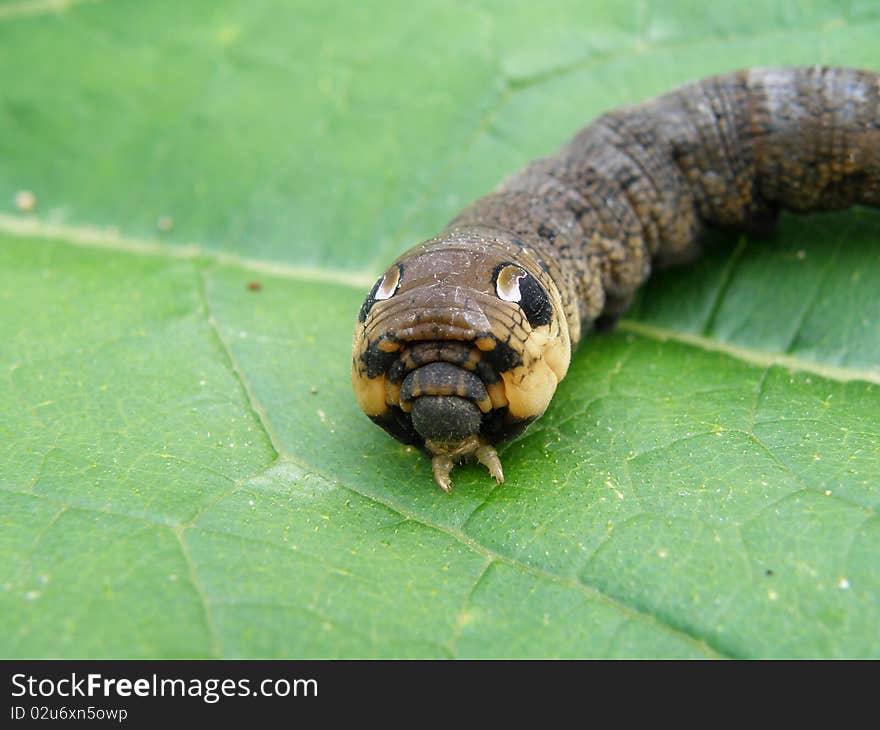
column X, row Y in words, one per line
column 383, row 289
column 388, row 284
column 515, row 284
column 461, row 344
column 507, row 277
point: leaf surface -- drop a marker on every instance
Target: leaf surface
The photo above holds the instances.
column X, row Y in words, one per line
column 184, row 470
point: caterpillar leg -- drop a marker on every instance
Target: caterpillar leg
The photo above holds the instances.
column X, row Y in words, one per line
column 446, row 456
column 488, row 457
column 442, row 464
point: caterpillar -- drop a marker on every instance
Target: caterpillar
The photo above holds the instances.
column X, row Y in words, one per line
column 461, row 343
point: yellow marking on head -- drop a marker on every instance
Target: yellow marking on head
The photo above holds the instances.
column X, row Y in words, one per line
column 473, row 358
column 558, row 354
column 496, row 394
column 388, row 345
column 529, row 389
column 392, row 393
column 484, row 405
column 370, row 392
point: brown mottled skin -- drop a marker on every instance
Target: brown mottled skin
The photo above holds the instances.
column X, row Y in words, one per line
column 632, row 190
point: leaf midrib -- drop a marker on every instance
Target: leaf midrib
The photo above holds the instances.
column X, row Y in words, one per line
column 94, row 237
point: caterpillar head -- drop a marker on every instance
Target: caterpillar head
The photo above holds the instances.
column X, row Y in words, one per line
column 460, row 345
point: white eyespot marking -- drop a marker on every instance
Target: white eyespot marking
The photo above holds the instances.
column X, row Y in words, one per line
column 388, row 286
column 507, row 283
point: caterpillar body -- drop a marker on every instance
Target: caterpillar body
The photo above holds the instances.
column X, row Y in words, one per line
column 461, row 343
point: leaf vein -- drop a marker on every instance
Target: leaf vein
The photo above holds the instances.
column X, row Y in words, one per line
column 216, row 644
column 256, row 408
column 752, row 356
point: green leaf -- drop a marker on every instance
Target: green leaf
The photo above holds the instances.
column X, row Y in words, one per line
column 183, row 468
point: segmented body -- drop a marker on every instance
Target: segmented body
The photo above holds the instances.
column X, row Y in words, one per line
column 512, row 284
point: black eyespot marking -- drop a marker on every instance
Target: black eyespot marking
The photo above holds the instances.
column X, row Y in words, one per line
column 514, row 284
column 535, row 302
column 385, row 288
